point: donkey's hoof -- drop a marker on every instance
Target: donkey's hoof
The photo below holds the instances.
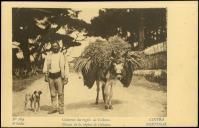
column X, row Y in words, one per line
column 96, row 102
column 110, row 107
column 106, row 107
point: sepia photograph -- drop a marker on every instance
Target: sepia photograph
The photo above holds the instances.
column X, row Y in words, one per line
column 116, row 58
column 99, row 64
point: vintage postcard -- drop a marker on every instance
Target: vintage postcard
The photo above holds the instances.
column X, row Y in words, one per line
column 99, row 64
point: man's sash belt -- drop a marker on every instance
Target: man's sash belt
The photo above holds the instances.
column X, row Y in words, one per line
column 54, row 75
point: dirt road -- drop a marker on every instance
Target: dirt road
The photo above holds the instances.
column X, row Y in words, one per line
column 143, row 98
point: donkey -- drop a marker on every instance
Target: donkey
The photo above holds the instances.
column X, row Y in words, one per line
column 107, row 77
column 118, row 68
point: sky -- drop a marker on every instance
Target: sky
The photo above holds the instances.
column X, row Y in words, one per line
column 87, row 14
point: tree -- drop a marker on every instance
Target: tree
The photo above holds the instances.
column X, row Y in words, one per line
column 41, row 25
column 145, row 26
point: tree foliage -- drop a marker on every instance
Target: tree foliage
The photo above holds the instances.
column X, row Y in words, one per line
column 130, row 23
column 40, row 25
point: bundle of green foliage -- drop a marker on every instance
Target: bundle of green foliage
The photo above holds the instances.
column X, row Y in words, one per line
column 96, row 57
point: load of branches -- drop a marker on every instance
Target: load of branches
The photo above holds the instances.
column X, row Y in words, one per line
column 96, row 57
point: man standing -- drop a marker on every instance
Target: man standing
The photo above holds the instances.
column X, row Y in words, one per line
column 56, row 74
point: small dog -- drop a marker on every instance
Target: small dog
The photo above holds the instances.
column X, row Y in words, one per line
column 34, row 100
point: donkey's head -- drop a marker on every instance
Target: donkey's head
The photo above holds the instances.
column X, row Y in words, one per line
column 118, row 62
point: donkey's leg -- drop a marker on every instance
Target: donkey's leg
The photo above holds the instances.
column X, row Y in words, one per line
column 103, row 95
column 25, row 105
column 98, row 89
column 38, row 109
column 107, row 94
column 35, row 106
column 31, row 104
column 110, row 97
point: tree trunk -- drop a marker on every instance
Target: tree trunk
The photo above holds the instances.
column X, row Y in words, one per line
column 26, row 53
column 141, row 32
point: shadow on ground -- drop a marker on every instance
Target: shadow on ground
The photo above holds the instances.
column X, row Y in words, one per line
column 46, row 108
column 89, row 104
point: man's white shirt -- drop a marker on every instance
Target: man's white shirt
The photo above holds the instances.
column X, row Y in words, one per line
column 58, row 62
